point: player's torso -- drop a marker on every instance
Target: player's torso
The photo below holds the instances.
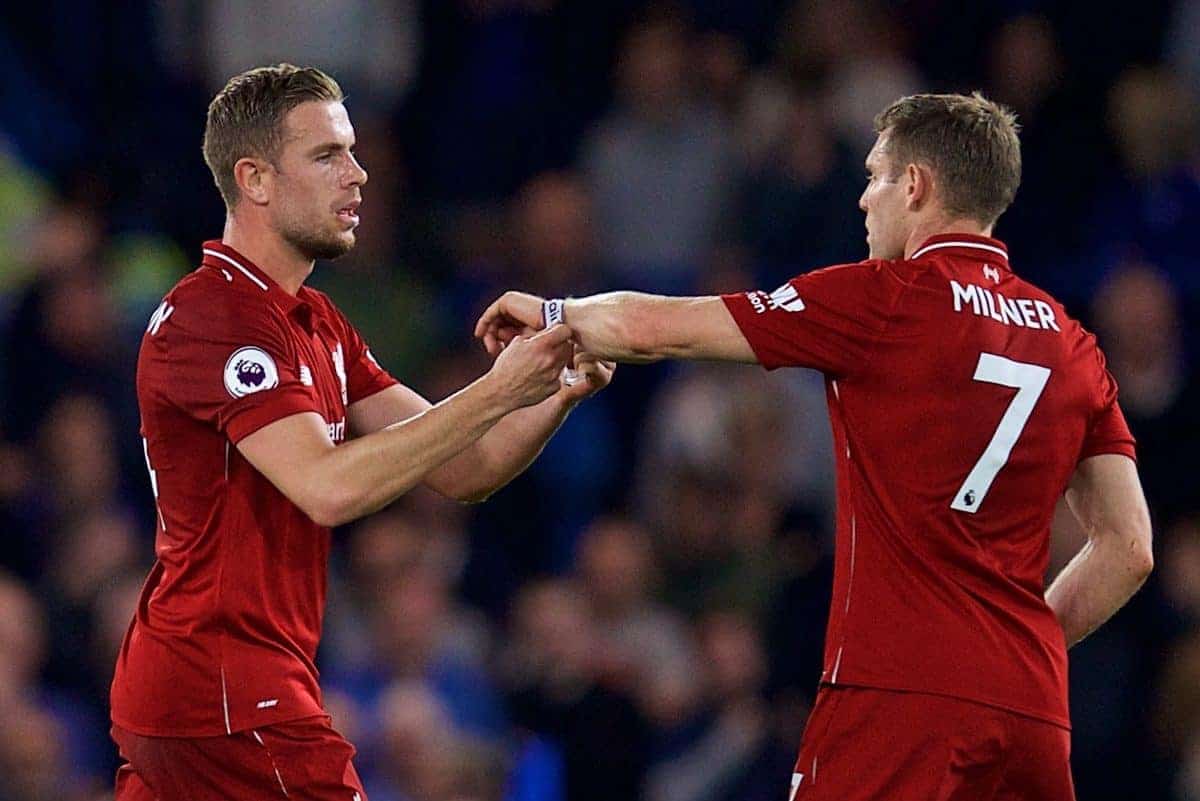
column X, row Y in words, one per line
column 238, row 588
column 976, row 407
column 954, row 444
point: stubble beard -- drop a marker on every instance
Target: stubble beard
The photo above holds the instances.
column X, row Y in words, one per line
column 314, row 244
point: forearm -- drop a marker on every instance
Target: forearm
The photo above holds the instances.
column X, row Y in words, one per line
column 365, row 474
column 623, row 326
column 503, row 453
column 1094, row 585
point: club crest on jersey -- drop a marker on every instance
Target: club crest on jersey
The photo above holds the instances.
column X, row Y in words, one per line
column 991, row 272
column 250, row 370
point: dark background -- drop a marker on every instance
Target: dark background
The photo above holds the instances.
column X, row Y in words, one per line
column 640, row 616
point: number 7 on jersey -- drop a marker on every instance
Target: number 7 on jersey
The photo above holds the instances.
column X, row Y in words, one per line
column 1029, row 380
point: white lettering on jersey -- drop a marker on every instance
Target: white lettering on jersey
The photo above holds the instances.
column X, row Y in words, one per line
column 337, row 431
column 786, row 298
column 305, row 375
column 1021, row 312
column 756, row 301
column 159, row 317
column 339, row 367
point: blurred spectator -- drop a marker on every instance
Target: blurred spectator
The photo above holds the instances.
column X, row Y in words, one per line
column 1025, row 70
column 797, row 209
column 1151, row 212
column 51, row 746
column 426, row 759
column 371, row 46
column 557, row 690
column 658, row 163
column 1137, row 316
column 730, row 753
column 401, row 578
column 644, row 645
column 858, row 50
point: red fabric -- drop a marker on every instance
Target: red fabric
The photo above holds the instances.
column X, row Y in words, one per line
column 300, row 759
column 863, row 744
column 226, row 629
column 926, row 597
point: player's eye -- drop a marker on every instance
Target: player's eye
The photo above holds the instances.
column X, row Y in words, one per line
column 324, row 157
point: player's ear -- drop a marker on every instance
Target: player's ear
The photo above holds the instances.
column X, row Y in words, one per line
column 253, row 179
column 918, row 186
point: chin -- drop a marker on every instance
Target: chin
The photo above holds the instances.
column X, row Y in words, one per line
column 327, row 247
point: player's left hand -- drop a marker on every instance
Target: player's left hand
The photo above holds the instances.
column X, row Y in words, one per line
column 509, row 316
column 592, row 374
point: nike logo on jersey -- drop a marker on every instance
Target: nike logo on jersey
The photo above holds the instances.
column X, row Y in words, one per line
column 1021, row 312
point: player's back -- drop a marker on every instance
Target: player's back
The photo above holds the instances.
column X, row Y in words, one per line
column 956, row 438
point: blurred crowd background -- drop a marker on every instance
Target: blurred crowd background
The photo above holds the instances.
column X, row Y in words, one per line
column 641, row 615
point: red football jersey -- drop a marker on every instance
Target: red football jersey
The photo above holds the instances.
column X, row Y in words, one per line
column 961, row 399
column 226, row 629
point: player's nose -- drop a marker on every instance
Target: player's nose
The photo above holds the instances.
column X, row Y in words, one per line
column 358, row 175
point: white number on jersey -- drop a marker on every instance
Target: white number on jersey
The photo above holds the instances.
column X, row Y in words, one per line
column 1029, row 380
column 153, row 482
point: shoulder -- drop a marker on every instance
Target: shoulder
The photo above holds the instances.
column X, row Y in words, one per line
column 206, row 305
column 869, row 273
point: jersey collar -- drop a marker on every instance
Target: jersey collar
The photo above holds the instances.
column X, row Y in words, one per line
column 969, row 246
column 222, row 257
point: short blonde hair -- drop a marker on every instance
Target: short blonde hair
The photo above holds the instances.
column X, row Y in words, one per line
column 245, row 119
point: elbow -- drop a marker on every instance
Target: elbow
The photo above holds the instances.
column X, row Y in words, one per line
column 331, row 508
column 473, row 498
column 1142, row 558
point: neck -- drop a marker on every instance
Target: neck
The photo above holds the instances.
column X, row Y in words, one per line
column 270, row 253
column 935, row 227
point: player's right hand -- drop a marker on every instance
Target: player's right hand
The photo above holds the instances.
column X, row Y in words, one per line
column 508, row 316
column 527, row 370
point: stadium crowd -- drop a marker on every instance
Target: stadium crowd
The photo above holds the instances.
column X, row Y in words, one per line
column 641, row 615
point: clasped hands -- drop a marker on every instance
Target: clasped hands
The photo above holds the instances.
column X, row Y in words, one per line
column 513, row 325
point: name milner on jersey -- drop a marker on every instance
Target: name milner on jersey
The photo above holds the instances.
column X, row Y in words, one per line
column 1022, row 312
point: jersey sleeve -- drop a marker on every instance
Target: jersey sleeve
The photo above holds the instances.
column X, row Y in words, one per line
column 828, row 319
column 235, row 369
column 1108, row 432
column 364, row 375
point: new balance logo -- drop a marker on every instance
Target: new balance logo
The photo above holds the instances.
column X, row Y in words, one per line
column 786, row 298
column 159, row 317
column 991, row 272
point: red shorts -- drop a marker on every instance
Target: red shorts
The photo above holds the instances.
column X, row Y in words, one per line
column 300, row 760
column 864, row 744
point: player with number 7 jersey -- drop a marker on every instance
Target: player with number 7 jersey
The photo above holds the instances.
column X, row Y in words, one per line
column 964, row 404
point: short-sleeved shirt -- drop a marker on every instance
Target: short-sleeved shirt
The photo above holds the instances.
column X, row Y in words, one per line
column 226, row 629
column 961, row 399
